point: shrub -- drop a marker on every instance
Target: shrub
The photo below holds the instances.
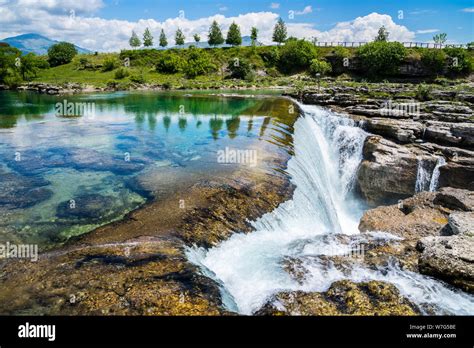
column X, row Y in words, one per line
column 269, row 55
column 61, row 53
column 273, row 72
column 381, row 58
column 140, row 79
column 121, row 73
column 433, row 60
column 423, row 92
column 110, row 64
column 337, row 60
column 170, row 63
column 319, row 67
column 198, row 63
column 460, row 60
column 240, row 68
column 167, row 85
column 296, row 56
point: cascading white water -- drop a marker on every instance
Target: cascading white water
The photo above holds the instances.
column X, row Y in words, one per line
column 251, row 267
column 435, row 177
column 426, row 180
column 423, row 177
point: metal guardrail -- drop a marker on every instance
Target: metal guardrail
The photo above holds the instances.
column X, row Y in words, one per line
column 406, row 44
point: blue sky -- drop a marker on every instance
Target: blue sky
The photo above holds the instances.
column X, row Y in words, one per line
column 419, row 15
column 106, row 25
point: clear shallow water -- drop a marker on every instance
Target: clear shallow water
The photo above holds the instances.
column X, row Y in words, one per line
column 63, row 176
column 252, row 267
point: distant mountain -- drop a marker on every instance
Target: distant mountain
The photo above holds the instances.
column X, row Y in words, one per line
column 34, row 43
column 246, row 41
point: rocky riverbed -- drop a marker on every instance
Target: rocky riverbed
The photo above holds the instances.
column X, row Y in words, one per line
column 138, row 266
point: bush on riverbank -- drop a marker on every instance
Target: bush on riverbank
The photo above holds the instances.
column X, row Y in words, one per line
column 381, row 58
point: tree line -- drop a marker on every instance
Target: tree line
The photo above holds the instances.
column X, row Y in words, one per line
column 215, row 36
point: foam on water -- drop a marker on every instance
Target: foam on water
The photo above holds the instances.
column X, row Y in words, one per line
column 251, row 267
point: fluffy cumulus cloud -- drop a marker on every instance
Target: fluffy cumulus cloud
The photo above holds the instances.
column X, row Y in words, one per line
column 74, row 21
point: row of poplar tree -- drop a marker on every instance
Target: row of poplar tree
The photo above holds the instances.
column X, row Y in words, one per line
column 215, row 37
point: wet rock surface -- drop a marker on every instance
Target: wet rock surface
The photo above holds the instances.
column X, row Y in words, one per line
column 146, row 276
column 450, row 259
column 433, row 227
column 342, row 298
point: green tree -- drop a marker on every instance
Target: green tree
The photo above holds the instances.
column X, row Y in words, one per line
column 61, row 53
column 134, row 40
column 198, row 63
column 163, row 40
column 440, row 38
column 9, row 73
column 254, row 36
column 381, row 58
column 382, row 35
column 280, row 32
column 28, row 65
column 215, row 37
column 179, row 37
column 197, row 38
column 147, row 38
column 234, row 37
column 296, row 55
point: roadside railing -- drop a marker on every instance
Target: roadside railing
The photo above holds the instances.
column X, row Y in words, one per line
column 406, row 44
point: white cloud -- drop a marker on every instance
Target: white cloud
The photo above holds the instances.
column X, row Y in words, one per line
column 469, row 9
column 427, row 31
column 274, row 5
column 100, row 34
column 306, row 10
column 360, row 29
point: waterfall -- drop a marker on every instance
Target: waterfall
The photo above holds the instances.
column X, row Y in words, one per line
column 435, row 177
column 426, row 181
column 252, row 267
column 423, row 177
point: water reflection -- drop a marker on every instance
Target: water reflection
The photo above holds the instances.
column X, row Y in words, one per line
column 98, row 164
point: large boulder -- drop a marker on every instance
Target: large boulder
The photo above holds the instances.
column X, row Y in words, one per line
column 450, row 259
column 410, row 219
column 389, row 171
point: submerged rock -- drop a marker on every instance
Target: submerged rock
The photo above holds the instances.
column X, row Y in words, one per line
column 343, row 298
column 450, row 259
column 90, row 207
column 18, row 191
